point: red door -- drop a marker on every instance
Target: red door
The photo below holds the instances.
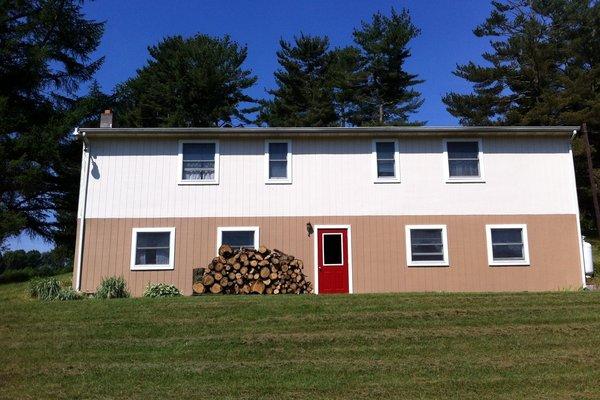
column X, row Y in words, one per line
column 332, row 260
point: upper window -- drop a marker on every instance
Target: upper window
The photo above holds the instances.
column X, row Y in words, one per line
column 152, row 248
column 278, row 156
column 463, row 160
column 507, row 244
column 386, row 161
column 238, row 237
column 426, row 245
column 199, row 162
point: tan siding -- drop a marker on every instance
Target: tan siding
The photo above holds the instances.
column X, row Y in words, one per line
column 378, row 251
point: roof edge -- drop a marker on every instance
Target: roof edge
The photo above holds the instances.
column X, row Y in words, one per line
column 333, row 131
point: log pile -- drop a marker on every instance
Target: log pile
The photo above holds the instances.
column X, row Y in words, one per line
column 248, row 271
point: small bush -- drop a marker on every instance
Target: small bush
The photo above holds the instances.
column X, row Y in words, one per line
column 68, row 293
column 112, row 288
column 44, row 288
column 161, row 290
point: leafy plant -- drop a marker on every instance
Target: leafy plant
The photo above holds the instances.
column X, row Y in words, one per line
column 112, row 288
column 68, row 293
column 44, row 288
column 161, row 290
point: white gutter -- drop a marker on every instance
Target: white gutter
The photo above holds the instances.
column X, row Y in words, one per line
column 85, row 167
column 577, row 216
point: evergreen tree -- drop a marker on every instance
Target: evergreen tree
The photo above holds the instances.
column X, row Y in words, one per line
column 199, row 81
column 543, row 69
column 304, row 94
column 388, row 95
column 83, row 111
column 45, row 49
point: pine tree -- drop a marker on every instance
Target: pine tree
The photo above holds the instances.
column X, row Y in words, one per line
column 44, row 56
column 388, row 95
column 304, row 94
column 198, row 81
column 82, row 111
column 543, row 69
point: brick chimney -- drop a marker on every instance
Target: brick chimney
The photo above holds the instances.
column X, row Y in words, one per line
column 106, row 119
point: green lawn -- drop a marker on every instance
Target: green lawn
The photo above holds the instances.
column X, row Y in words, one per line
column 501, row 346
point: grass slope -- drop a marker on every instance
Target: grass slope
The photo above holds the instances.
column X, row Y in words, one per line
column 501, row 346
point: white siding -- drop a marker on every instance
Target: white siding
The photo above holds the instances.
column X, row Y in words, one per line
column 138, row 178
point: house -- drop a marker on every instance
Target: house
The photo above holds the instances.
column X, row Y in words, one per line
column 370, row 209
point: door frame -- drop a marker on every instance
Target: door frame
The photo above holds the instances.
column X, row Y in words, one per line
column 316, row 254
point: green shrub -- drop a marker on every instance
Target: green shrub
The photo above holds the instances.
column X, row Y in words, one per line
column 112, row 288
column 44, row 288
column 25, row 274
column 16, row 275
column 161, row 290
column 68, row 293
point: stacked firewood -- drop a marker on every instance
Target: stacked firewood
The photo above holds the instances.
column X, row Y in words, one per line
column 247, row 271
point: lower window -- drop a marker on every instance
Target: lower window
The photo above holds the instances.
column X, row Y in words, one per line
column 507, row 244
column 426, row 245
column 152, row 248
column 238, row 237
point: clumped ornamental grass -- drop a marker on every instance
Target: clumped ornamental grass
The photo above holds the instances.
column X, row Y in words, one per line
column 410, row 346
column 48, row 289
column 112, row 288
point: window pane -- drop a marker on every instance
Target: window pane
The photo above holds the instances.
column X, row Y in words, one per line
column 278, row 151
column 152, row 248
column 507, row 235
column 332, row 249
column 385, row 150
column 199, row 151
column 277, row 169
column 428, row 257
column 426, row 236
column 464, row 168
column 153, row 239
column 198, row 161
column 238, row 239
column 152, row 256
column 426, row 245
column 385, row 169
column 427, row 248
column 507, row 251
column 463, row 150
column 203, row 170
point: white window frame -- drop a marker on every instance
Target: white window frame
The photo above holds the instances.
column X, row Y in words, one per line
column 222, row 229
column 396, row 177
column 151, row 267
column 323, row 247
column 461, row 179
column 278, row 181
column 182, row 181
column 488, row 233
column 443, row 263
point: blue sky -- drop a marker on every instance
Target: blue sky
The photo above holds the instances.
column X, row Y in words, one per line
column 446, row 39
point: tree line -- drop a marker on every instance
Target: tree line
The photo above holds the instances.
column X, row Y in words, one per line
column 542, row 69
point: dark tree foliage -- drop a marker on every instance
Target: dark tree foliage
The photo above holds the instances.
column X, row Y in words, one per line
column 45, row 49
column 359, row 85
column 83, row 111
column 304, row 94
column 543, row 69
column 388, row 95
column 198, row 81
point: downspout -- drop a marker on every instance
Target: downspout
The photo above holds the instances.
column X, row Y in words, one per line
column 576, row 200
column 85, row 168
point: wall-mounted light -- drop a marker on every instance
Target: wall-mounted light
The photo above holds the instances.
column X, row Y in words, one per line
column 309, row 229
